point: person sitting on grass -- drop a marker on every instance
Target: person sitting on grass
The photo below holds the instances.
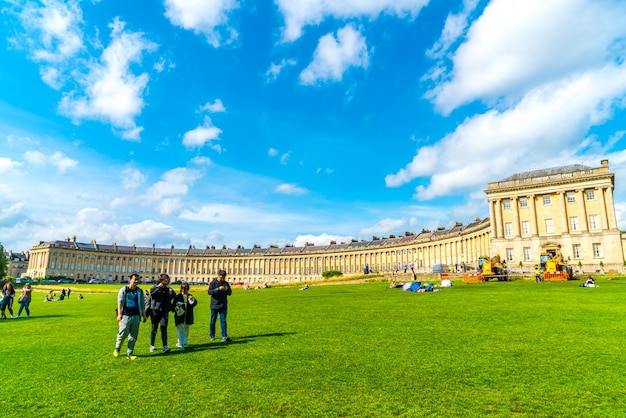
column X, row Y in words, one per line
column 305, row 287
column 590, row 282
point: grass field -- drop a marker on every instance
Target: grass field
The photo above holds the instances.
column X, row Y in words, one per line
column 491, row 349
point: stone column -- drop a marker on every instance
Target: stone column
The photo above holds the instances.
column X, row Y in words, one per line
column 533, row 215
column 499, row 224
column 610, row 208
column 603, row 217
column 516, row 224
column 492, row 218
column 565, row 221
column 584, row 226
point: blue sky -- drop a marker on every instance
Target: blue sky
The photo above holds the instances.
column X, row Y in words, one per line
column 212, row 122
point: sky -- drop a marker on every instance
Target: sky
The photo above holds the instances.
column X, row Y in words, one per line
column 242, row 122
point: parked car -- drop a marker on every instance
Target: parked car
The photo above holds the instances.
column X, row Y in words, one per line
column 65, row 280
column 48, row 281
column 80, row 281
column 95, row 281
column 109, row 281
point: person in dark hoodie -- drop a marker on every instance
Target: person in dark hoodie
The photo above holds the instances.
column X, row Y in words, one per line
column 161, row 304
column 219, row 290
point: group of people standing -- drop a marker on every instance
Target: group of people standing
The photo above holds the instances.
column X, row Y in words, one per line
column 133, row 306
column 8, row 296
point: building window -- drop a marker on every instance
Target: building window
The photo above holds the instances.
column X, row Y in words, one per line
column 525, row 228
column 593, row 222
column 508, row 229
column 590, row 194
column 546, row 200
column 527, row 254
column 523, row 202
column 506, row 204
column 549, row 226
column 576, row 251
column 571, row 197
column 509, row 255
column 573, row 223
column 597, row 250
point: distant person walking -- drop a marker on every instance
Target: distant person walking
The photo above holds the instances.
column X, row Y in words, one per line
column 161, row 304
column 219, row 289
column 183, row 317
column 537, row 274
column 24, row 300
column 8, row 295
column 130, row 312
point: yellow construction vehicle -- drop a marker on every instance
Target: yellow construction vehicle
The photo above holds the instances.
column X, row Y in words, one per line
column 493, row 267
column 552, row 264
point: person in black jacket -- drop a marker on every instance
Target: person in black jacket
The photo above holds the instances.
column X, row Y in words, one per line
column 161, row 304
column 183, row 317
column 219, row 289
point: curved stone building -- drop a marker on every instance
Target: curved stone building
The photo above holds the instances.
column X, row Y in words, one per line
column 571, row 206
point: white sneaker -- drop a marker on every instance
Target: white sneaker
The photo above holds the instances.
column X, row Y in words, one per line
column 166, row 349
column 178, row 345
column 152, row 348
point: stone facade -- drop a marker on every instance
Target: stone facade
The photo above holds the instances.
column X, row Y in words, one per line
column 571, row 206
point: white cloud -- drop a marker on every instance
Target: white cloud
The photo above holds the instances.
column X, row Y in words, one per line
column 322, row 239
column 7, row 164
column 168, row 206
column 515, row 46
column 543, row 129
column 207, row 17
column 57, row 24
column 455, row 26
column 202, row 135
column 274, row 71
column 272, row 152
column 132, row 178
column 201, row 161
column 11, row 213
column 290, row 189
column 216, row 107
column 110, row 91
column 285, row 157
column 235, row 214
column 57, row 159
column 334, row 56
column 174, row 182
column 300, row 13
column 384, row 226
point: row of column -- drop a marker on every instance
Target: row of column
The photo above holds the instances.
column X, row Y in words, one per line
column 605, row 198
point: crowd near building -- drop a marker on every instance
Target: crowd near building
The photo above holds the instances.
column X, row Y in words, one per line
column 569, row 206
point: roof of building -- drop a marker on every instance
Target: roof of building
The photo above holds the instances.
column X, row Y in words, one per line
column 272, row 249
column 548, row 172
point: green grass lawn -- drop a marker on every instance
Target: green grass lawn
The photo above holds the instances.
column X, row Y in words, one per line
column 491, row 349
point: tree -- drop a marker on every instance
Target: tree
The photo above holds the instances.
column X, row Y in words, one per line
column 3, row 262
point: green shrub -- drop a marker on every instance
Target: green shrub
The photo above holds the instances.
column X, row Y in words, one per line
column 331, row 273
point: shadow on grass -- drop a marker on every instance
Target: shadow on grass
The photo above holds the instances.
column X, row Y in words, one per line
column 23, row 318
column 215, row 345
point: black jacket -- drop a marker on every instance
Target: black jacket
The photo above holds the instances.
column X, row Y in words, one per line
column 219, row 298
column 161, row 299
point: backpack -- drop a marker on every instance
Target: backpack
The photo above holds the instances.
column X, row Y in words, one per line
column 148, row 304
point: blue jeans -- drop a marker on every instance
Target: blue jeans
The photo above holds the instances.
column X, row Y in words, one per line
column 214, row 313
column 24, row 305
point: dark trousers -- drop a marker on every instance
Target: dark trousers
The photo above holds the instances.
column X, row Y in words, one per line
column 158, row 319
